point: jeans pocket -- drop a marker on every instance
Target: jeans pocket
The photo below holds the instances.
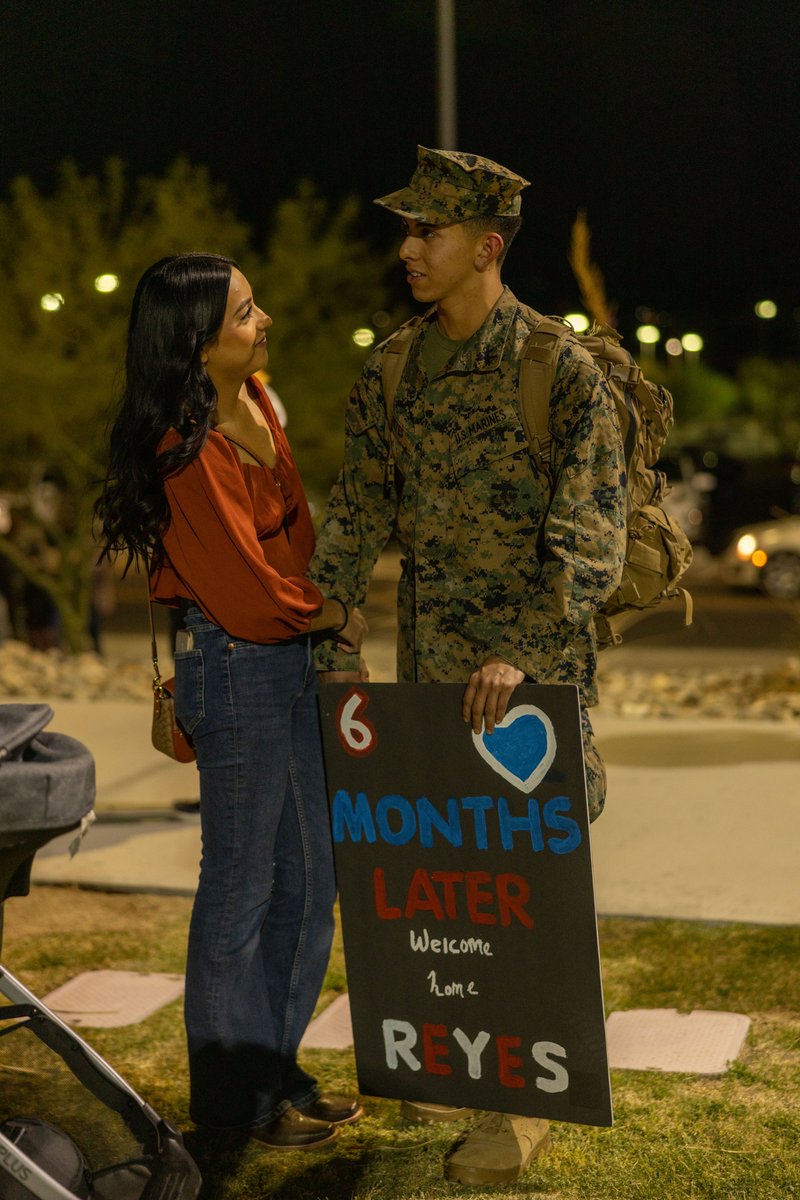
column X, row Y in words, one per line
column 189, row 689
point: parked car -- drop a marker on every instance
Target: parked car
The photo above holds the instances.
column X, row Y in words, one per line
column 766, row 555
column 714, row 494
column 688, row 495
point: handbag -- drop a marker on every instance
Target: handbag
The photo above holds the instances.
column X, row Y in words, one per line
column 167, row 734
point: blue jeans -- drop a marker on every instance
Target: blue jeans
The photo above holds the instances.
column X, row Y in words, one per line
column 262, row 921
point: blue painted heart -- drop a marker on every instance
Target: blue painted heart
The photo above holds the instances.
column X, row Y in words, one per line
column 522, row 747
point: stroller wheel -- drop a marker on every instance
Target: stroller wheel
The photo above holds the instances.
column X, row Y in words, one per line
column 121, row 1183
column 52, row 1150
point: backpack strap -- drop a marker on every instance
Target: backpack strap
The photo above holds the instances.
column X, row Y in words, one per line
column 394, row 363
column 395, row 359
column 536, row 371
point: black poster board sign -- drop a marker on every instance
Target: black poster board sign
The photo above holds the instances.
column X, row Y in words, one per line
column 467, row 902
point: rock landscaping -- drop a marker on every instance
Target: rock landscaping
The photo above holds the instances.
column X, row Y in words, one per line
column 766, row 694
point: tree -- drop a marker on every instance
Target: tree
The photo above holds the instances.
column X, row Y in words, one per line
column 59, row 365
column 757, row 414
column 587, row 273
column 704, row 402
column 771, row 400
column 62, row 343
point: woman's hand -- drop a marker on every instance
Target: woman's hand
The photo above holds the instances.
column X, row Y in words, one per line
column 350, row 638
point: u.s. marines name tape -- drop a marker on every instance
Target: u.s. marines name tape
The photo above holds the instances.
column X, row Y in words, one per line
column 467, row 903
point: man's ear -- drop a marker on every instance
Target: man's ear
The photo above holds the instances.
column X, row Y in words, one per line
column 488, row 251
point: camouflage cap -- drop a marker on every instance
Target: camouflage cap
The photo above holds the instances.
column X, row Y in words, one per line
column 448, row 187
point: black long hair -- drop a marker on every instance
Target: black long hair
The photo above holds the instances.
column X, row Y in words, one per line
column 178, row 307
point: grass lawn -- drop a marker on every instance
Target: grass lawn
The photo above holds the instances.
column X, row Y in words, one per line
column 677, row 1137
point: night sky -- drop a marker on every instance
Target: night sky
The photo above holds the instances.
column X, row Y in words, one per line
column 674, row 124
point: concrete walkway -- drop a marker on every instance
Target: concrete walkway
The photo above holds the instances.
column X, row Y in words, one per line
column 702, row 821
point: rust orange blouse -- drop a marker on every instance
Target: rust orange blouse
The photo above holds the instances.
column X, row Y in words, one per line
column 240, row 538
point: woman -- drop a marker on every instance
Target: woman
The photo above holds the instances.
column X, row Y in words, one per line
column 203, row 487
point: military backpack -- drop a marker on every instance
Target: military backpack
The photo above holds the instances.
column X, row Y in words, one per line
column 658, row 551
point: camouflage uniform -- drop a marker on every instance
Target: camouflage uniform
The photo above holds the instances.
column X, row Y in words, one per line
column 494, row 560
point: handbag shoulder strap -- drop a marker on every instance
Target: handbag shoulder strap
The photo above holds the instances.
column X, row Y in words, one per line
column 153, row 643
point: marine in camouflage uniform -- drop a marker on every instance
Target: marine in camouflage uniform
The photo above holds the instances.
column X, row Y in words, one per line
column 495, row 561
column 502, row 569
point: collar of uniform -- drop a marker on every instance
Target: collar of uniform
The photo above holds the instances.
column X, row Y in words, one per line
column 483, row 351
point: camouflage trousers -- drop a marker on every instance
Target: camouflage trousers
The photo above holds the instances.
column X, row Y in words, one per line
column 595, row 769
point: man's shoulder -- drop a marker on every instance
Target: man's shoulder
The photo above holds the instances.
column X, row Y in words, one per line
column 398, row 344
column 405, row 333
column 528, row 316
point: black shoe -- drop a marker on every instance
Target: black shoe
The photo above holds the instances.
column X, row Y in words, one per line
column 294, row 1130
column 336, row 1110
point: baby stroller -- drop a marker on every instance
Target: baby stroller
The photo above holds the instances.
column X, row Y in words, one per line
column 47, row 789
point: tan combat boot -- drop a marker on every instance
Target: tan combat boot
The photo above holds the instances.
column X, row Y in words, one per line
column 496, row 1150
column 429, row 1114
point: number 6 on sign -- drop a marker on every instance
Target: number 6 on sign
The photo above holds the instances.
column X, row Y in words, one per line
column 356, row 733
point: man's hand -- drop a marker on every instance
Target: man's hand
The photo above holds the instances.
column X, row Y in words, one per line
column 488, row 692
column 359, row 676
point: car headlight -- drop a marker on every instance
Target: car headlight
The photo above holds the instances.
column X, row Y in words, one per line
column 746, row 546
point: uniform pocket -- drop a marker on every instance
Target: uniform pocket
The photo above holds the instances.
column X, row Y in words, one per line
column 189, row 689
column 498, row 500
column 500, row 448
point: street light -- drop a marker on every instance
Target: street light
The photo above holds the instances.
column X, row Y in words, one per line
column 446, row 61
column 765, row 310
column 106, row 283
column 52, row 301
column 363, row 337
column 579, row 321
column 673, row 347
column 692, row 343
column 647, row 336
